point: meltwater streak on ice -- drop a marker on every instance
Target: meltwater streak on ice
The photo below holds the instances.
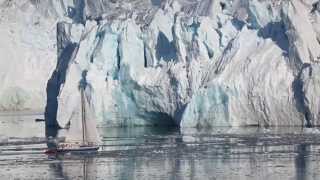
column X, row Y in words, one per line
column 139, row 153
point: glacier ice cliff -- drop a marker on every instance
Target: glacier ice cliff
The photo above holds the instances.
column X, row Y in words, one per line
column 174, row 62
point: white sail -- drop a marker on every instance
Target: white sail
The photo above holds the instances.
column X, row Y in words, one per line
column 74, row 133
column 83, row 131
column 91, row 132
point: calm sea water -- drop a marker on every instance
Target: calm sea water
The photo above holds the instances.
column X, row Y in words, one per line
column 163, row 153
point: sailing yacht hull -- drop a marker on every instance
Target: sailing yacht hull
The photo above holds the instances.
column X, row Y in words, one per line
column 80, row 149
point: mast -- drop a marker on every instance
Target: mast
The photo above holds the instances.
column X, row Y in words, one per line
column 83, row 112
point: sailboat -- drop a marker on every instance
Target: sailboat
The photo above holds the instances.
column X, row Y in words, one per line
column 82, row 134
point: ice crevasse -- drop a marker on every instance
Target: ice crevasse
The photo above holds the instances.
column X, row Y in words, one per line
column 191, row 63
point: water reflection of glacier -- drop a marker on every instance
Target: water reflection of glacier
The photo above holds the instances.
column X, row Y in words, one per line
column 166, row 153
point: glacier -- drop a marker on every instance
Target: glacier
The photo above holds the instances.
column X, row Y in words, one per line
column 186, row 63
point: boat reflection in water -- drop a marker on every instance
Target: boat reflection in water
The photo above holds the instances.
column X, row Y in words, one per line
column 69, row 165
column 75, row 166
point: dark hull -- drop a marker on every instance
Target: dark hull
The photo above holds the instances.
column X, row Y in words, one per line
column 83, row 149
column 79, row 149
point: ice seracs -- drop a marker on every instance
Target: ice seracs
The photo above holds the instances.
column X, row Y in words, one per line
column 182, row 62
column 212, row 71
